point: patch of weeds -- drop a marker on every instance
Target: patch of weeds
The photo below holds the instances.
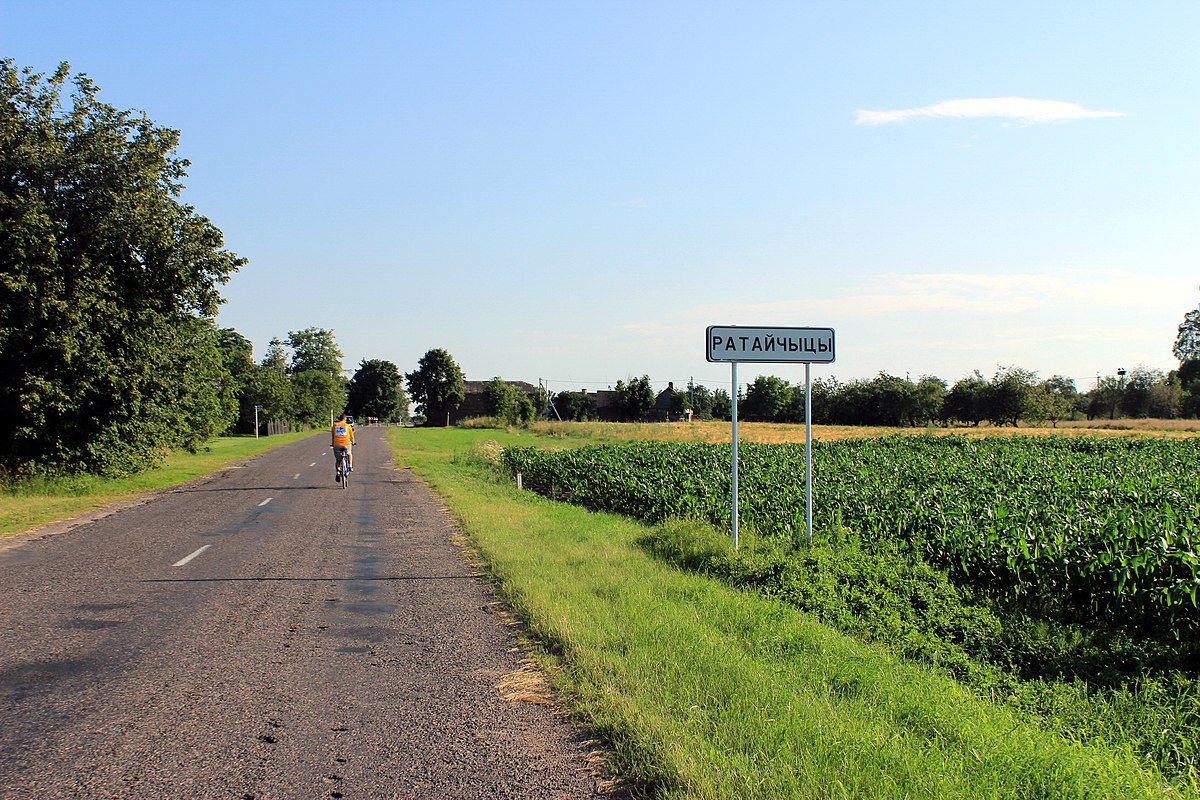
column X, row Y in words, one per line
column 1092, row 683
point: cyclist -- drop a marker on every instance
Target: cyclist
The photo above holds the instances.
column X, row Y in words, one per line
column 342, row 439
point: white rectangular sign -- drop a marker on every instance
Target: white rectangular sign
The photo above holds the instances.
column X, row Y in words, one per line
column 769, row 345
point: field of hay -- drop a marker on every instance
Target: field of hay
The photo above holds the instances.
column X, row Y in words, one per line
column 777, row 433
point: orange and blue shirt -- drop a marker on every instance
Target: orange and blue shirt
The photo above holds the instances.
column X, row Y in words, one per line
column 343, row 433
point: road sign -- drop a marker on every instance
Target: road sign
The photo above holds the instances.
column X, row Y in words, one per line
column 734, row 344
column 727, row 343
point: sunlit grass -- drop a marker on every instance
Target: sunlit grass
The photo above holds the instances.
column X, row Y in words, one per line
column 30, row 502
column 703, row 691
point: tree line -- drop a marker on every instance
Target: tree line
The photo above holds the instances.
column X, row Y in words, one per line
column 110, row 352
column 300, row 379
column 111, row 355
column 1011, row 395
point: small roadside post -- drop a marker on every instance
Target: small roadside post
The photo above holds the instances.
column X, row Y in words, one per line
column 256, row 410
column 734, row 344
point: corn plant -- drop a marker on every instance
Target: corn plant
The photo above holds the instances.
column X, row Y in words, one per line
column 1089, row 526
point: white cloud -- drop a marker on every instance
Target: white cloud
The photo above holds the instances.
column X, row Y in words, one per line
column 959, row 293
column 1023, row 110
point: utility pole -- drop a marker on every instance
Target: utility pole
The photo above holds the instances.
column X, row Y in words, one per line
column 546, row 409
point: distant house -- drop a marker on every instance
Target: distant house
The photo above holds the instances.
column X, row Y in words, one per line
column 473, row 404
column 661, row 410
column 604, row 405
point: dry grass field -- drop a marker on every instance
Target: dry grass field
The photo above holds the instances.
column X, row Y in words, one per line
column 775, row 433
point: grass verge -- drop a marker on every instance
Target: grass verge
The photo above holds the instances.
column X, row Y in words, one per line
column 704, row 691
column 31, row 502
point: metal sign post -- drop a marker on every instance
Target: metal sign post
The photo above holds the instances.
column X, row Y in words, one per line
column 733, row 344
column 733, row 395
column 808, row 450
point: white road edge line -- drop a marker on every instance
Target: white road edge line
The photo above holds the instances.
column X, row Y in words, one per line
column 183, row 561
column 264, row 502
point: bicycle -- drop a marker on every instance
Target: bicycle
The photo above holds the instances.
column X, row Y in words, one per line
column 342, row 474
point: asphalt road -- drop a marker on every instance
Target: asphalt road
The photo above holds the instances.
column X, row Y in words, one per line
column 265, row 634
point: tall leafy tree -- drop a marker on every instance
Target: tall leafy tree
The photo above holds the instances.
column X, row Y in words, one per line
column 507, row 403
column 1059, row 398
column 270, row 389
column 276, row 358
column 892, row 400
column 680, row 404
column 1148, row 393
column 1188, row 378
column 700, row 398
column 318, row 396
column 206, row 404
column 1187, row 350
column 635, row 398
column 314, row 350
column 575, row 406
column 1187, row 342
column 237, row 355
column 437, row 386
column 1007, row 396
column 108, row 283
column 825, row 393
column 767, row 399
column 722, row 406
column 1105, row 399
column 928, row 401
column 377, row 390
column 1166, row 400
column 318, row 387
column 967, row 400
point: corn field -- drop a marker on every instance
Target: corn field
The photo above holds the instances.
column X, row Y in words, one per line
column 1092, row 527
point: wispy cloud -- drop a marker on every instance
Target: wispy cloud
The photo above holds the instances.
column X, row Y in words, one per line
column 1067, row 320
column 960, row 294
column 1021, row 110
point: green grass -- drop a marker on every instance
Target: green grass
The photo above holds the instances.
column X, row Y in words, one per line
column 922, row 545
column 35, row 501
column 705, row 691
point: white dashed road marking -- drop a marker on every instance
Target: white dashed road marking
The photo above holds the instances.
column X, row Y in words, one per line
column 181, row 562
column 264, row 502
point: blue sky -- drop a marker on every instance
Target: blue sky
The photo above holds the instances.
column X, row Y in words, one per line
column 574, row 191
